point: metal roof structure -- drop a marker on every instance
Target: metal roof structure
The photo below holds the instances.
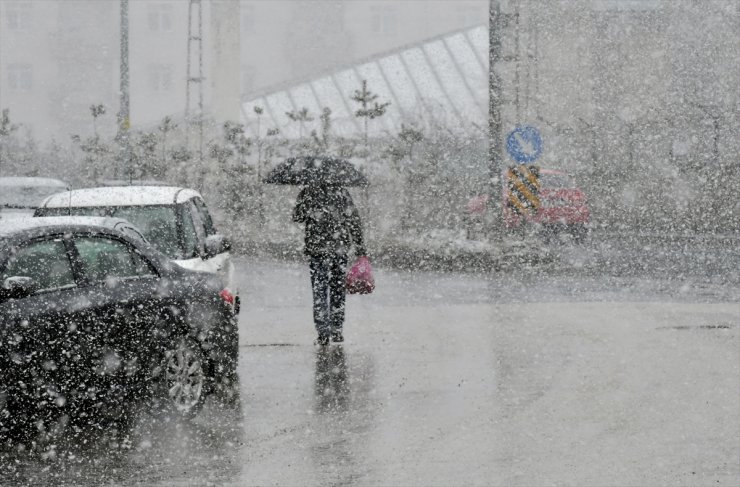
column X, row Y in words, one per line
column 443, row 79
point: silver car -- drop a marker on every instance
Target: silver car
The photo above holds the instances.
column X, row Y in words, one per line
column 174, row 220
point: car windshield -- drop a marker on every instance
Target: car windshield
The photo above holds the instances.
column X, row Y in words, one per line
column 26, row 196
column 557, row 181
column 158, row 224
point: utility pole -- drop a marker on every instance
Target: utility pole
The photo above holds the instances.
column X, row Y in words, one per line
column 195, row 77
column 495, row 149
column 260, row 189
column 124, row 122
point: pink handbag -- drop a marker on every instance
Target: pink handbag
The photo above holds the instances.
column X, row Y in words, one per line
column 360, row 278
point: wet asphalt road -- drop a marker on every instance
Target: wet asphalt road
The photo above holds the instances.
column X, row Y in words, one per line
column 527, row 377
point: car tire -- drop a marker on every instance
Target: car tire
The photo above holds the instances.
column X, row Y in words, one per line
column 548, row 233
column 182, row 378
column 579, row 233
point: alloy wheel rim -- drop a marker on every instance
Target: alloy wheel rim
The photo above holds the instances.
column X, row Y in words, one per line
column 184, row 378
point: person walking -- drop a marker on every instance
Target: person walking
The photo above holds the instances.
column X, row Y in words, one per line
column 332, row 226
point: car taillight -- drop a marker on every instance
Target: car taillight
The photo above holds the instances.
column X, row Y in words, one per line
column 227, row 296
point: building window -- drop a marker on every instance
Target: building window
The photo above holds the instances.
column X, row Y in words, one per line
column 18, row 16
column 160, row 17
column 248, row 24
column 383, row 20
column 20, row 77
column 160, row 77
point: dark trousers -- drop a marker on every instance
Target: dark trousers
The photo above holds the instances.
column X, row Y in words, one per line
column 327, row 283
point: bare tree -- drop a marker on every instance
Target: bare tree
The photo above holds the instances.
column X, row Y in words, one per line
column 369, row 109
column 301, row 116
column 165, row 128
column 96, row 111
column 322, row 140
column 6, row 130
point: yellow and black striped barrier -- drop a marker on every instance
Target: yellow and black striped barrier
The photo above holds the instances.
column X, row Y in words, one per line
column 524, row 189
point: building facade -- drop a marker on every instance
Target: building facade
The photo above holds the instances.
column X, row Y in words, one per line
column 57, row 58
column 296, row 39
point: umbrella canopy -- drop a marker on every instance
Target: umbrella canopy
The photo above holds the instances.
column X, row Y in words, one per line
column 310, row 170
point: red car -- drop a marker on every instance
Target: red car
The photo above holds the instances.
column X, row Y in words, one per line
column 563, row 207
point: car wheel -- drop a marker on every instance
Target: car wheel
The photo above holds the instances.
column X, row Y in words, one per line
column 184, row 377
column 547, row 233
column 579, row 233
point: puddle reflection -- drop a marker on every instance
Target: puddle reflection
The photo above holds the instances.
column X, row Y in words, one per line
column 345, row 416
column 331, row 380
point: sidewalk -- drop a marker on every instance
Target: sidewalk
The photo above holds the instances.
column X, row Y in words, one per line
column 434, row 250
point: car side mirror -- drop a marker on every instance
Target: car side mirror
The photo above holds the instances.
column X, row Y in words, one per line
column 18, row 287
column 217, row 244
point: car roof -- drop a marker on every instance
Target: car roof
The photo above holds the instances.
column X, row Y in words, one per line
column 134, row 182
column 31, row 182
column 120, row 196
column 18, row 225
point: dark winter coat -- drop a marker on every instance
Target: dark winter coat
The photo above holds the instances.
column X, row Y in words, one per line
column 332, row 221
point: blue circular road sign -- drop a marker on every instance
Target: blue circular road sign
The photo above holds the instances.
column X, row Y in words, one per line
column 524, row 144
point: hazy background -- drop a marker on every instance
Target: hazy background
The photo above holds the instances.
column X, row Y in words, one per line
column 58, row 57
column 637, row 99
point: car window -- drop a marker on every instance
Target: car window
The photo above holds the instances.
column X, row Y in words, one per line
column 190, row 241
column 205, row 216
column 131, row 232
column 46, row 262
column 200, row 229
column 104, row 258
column 157, row 223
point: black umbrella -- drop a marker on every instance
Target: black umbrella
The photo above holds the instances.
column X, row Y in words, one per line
column 309, row 170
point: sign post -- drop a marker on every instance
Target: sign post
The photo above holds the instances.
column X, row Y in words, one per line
column 495, row 101
column 524, row 145
column 523, row 195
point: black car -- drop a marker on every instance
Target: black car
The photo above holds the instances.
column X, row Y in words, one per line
column 93, row 321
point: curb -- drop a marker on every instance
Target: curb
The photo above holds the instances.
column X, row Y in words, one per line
column 406, row 257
